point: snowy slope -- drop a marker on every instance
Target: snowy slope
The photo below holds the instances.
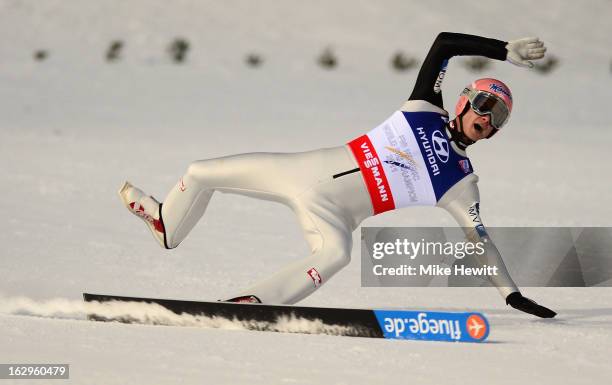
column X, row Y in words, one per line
column 73, row 127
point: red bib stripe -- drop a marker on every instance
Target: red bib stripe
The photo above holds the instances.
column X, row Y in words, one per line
column 373, row 174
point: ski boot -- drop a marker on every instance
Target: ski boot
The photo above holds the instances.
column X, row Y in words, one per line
column 146, row 208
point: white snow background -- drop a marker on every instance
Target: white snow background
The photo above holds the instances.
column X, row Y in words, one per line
column 74, row 127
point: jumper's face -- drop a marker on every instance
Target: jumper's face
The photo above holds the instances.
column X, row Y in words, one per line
column 476, row 126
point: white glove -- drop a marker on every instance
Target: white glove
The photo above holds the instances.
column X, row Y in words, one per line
column 522, row 50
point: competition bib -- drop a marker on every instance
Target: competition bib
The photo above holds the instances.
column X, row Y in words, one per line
column 408, row 161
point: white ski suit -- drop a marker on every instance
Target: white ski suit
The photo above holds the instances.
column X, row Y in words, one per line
column 328, row 192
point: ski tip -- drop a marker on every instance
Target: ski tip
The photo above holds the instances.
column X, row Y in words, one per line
column 88, row 297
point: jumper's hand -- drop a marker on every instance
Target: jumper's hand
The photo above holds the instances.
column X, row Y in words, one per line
column 521, row 51
column 517, row 301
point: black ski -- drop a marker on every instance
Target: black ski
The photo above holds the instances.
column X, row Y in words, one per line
column 371, row 323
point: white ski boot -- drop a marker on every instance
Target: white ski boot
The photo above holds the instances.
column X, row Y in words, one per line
column 146, row 208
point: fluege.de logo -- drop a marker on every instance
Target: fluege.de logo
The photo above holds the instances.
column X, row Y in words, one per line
column 438, row 326
column 476, row 326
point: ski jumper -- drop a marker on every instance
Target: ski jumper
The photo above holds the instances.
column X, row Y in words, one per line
column 410, row 159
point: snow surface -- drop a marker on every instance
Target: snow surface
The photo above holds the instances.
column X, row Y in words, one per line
column 74, row 127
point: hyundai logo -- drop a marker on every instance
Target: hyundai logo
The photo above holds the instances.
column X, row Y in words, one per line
column 440, row 145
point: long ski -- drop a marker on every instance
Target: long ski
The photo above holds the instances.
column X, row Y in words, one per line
column 372, row 323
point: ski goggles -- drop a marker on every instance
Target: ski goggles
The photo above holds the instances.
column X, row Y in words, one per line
column 485, row 103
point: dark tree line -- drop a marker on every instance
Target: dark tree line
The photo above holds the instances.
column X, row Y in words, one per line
column 178, row 50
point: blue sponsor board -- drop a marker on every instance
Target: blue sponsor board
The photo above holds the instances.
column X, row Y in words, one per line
column 433, row 326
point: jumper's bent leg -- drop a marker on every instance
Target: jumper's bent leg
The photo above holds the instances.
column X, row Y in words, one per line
column 331, row 242
column 262, row 175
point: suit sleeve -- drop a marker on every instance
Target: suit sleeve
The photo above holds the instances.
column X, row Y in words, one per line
column 462, row 201
column 446, row 46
